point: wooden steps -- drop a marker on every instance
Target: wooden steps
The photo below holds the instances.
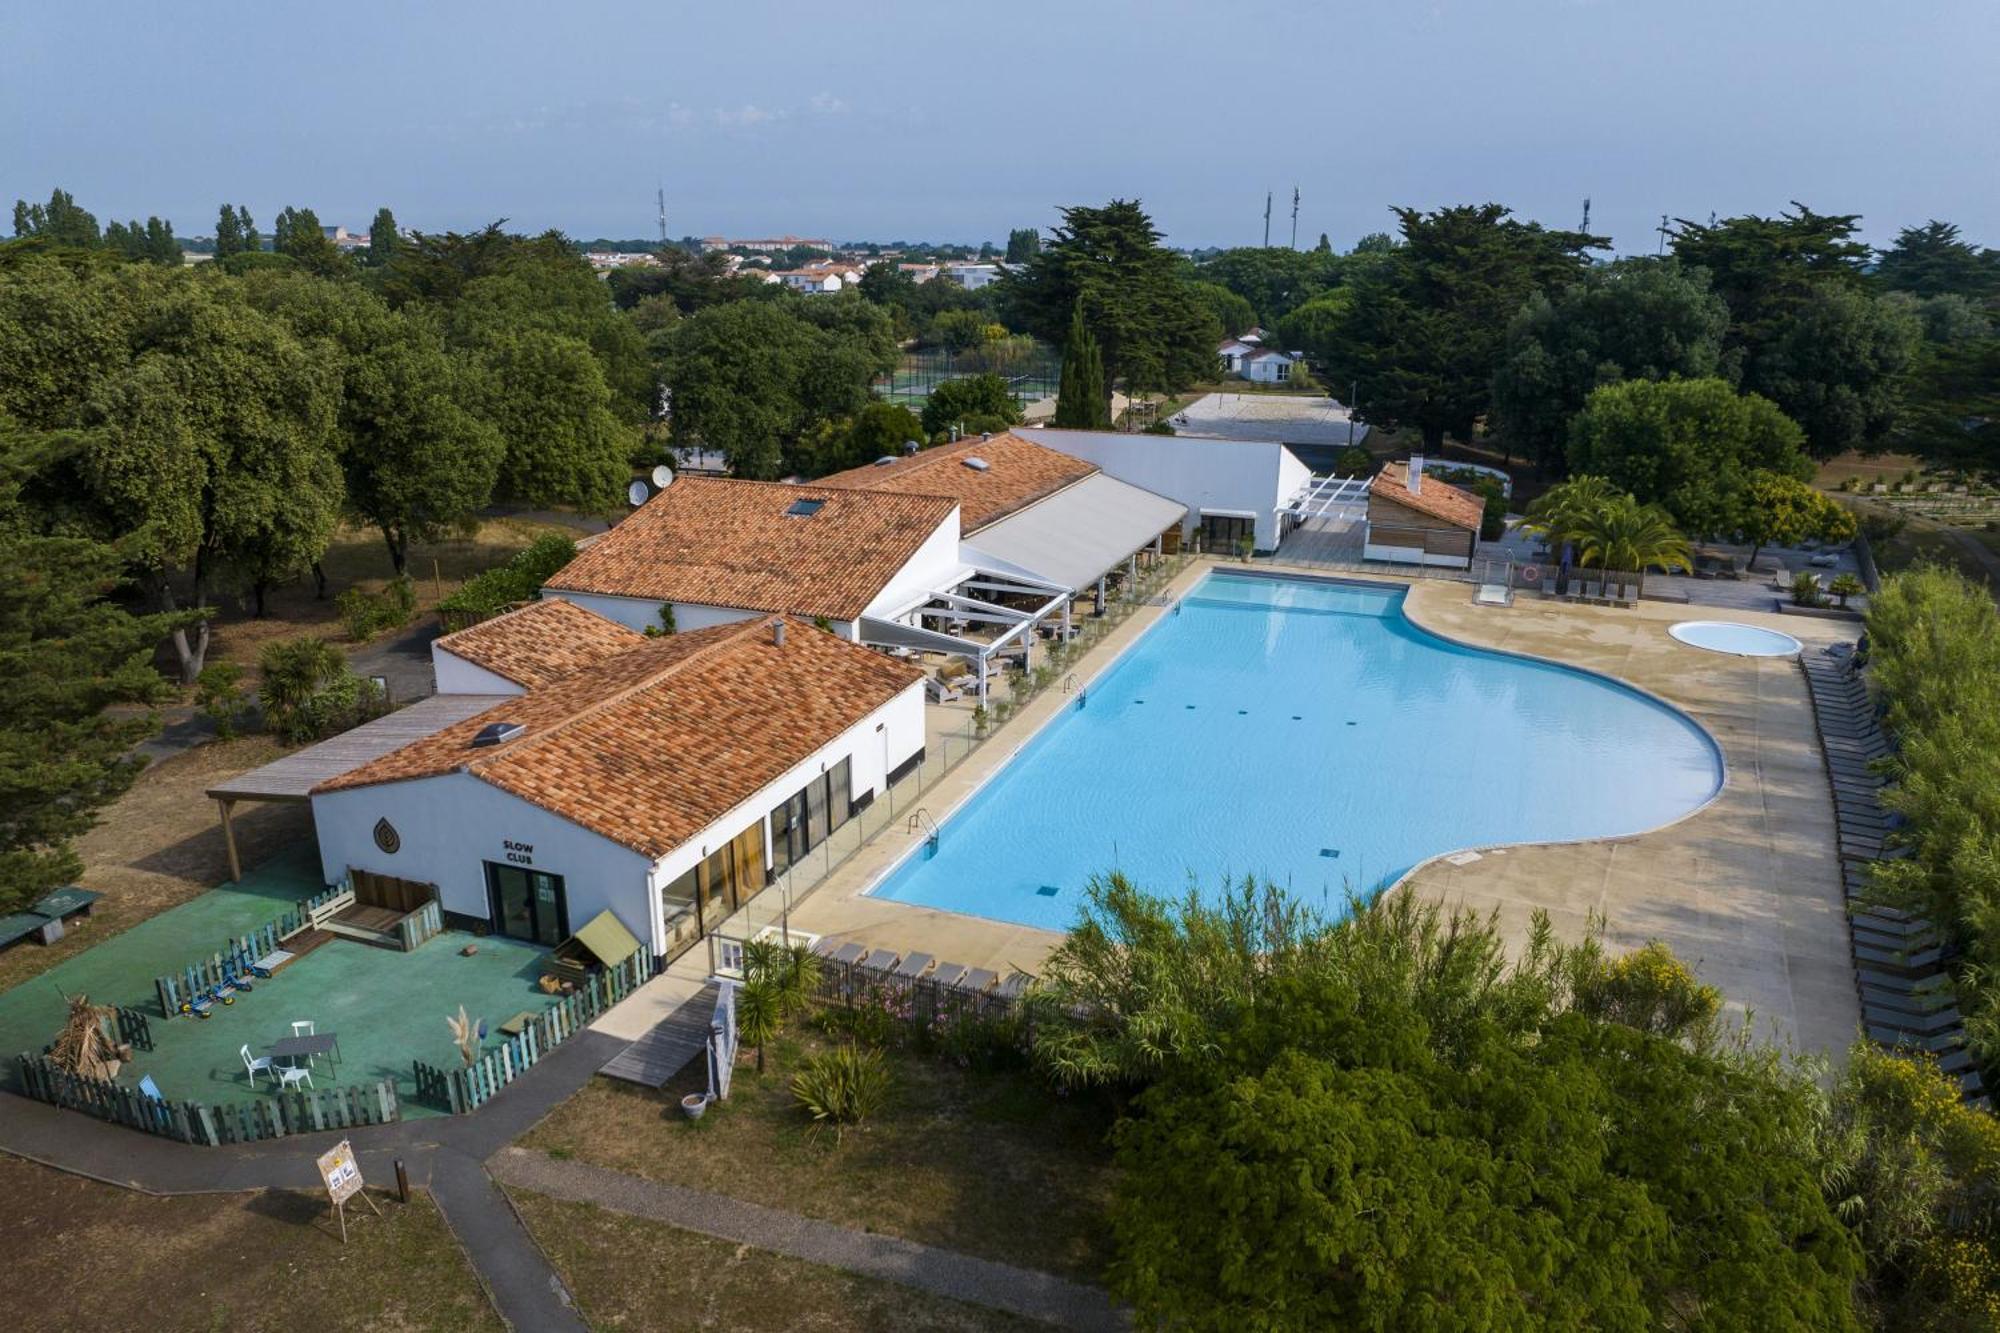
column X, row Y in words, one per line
column 666, row 1050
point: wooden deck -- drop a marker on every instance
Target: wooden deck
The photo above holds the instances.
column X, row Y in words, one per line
column 293, row 777
column 672, row 1043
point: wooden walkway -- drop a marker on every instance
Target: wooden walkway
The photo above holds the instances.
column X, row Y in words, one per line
column 673, row 1041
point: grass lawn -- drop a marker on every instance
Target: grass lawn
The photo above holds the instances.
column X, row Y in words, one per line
column 631, row 1273
column 83, row 1255
column 990, row 1165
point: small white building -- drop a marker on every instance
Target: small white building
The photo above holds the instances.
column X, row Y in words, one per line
column 972, row 277
column 1267, row 365
column 1231, row 489
column 666, row 779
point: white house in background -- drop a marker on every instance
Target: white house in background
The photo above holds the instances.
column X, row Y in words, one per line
column 1232, row 351
column 666, row 780
column 820, row 279
column 1267, row 365
column 1231, row 488
column 971, row 276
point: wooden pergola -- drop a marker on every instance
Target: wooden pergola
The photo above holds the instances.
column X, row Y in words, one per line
column 292, row 778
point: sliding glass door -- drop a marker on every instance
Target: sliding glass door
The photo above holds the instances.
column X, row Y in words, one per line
column 528, row 904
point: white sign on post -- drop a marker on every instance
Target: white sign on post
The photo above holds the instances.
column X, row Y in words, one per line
column 342, row 1175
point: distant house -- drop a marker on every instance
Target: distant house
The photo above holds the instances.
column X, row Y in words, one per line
column 1417, row 521
column 767, row 244
column 971, row 276
column 1232, row 351
column 820, row 278
column 1267, row 365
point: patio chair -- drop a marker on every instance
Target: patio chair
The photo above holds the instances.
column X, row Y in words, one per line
column 290, row 1076
column 150, row 1088
column 303, row 1027
column 882, row 960
column 915, row 965
column 254, row 1063
column 948, row 975
column 978, row 981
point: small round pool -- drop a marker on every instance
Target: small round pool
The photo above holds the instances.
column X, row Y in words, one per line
column 1726, row 636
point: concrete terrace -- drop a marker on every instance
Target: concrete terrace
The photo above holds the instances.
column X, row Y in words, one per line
column 1747, row 889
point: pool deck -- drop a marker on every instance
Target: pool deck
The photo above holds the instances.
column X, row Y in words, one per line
column 1747, row 889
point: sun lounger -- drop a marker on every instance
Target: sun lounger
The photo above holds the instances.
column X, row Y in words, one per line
column 1905, row 1020
column 1932, row 1002
column 849, row 953
column 1936, row 1044
column 915, row 965
column 948, row 975
column 1892, row 940
column 882, row 960
column 978, row 981
column 1890, row 921
column 1493, row 594
column 1918, row 962
column 1904, row 983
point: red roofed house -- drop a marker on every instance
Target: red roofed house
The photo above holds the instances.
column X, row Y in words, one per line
column 1414, row 520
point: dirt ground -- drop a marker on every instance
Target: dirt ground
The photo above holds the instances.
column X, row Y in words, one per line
column 688, row 1281
column 83, row 1256
column 161, row 844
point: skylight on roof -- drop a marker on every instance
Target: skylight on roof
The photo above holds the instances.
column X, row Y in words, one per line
column 804, row 508
column 497, row 733
column 978, row 464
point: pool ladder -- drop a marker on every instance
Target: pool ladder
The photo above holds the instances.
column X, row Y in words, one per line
column 922, row 820
column 1070, row 685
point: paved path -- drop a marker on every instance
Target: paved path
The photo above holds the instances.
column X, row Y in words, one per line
column 961, row 1277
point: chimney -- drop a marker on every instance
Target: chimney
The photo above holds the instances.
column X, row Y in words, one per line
column 1416, row 474
column 778, row 632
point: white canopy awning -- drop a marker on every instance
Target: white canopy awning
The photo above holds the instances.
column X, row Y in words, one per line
column 1075, row 536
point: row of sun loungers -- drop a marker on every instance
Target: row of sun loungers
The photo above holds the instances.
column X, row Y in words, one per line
column 1901, row 968
column 954, row 977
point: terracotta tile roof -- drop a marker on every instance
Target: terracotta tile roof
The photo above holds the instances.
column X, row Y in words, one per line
column 1438, row 499
column 652, row 746
column 1018, row 473
column 713, row 541
column 540, row 642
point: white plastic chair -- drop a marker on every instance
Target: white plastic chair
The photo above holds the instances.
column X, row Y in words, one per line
column 253, row 1063
column 304, row 1028
column 289, row 1076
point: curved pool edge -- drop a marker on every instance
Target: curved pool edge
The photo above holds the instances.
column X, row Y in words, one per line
column 1406, row 586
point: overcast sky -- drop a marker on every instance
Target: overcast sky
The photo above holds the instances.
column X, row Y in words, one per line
column 894, row 120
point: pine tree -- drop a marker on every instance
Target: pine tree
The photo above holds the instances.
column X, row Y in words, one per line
column 382, row 238
column 1080, row 400
column 228, row 233
column 248, row 230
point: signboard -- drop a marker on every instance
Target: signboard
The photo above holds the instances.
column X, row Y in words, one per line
column 338, row 1170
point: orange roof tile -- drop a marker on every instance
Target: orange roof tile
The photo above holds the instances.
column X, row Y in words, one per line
column 652, row 746
column 1439, row 499
column 540, row 642
column 1018, row 473
column 713, row 541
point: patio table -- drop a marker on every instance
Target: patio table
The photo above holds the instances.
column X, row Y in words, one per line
column 292, row 1048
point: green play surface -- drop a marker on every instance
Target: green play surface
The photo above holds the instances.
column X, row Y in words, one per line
column 387, row 1008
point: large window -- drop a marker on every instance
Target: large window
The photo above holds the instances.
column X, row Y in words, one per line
column 705, row 895
column 809, row 816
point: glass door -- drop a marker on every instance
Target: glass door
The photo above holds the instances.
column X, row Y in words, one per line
column 528, row 904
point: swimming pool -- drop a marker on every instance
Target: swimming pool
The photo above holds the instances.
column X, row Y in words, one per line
column 1306, row 732
column 1727, row 636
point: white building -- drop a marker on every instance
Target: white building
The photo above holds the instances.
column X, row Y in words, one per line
column 1231, row 488
column 971, row 276
column 820, row 279
column 766, row 245
column 665, row 780
column 1267, row 365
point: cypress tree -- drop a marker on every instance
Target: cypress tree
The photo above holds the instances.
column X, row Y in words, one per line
column 1080, row 398
column 228, row 233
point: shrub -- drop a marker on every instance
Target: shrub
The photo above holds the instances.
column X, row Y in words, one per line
column 1159, row 428
column 1845, row 586
column 309, row 693
column 1354, row 461
column 1805, row 588
column 366, row 614
column 218, row 693
column 519, row 580
column 842, row 1087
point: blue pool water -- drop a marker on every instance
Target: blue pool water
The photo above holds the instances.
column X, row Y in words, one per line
column 1308, row 733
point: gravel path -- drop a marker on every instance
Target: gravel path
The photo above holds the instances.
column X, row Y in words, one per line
column 1020, row 1291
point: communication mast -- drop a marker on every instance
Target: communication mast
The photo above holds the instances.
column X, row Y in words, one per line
column 1267, row 219
column 663, row 216
column 1295, row 217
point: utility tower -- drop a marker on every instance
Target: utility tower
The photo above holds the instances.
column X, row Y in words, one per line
column 1665, row 231
column 663, row 216
column 1585, row 229
column 1267, row 219
column 1295, row 217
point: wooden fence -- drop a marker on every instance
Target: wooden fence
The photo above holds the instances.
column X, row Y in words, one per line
column 464, row 1090
column 420, row 925
column 133, row 1029
column 295, row 1111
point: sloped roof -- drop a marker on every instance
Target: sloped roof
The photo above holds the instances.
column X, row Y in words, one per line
column 1439, row 499
column 540, row 641
column 1018, row 472
column 714, row 541
column 652, row 746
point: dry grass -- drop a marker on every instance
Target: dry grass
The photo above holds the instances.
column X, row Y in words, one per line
column 990, row 1165
column 1866, row 468
column 631, row 1273
column 161, row 844
column 84, row 1255
column 359, row 558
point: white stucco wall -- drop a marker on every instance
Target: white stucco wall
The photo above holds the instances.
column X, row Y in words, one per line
column 1265, row 370
column 1248, row 477
column 455, row 675
column 935, row 565
column 642, row 614
column 452, row 824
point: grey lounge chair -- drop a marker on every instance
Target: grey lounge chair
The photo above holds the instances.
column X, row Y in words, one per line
column 915, row 965
column 1015, row 984
column 849, row 953
column 948, row 975
column 978, row 981
column 1902, row 1020
column 882, row 960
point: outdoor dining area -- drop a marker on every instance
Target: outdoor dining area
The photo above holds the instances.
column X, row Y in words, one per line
column 288, row 1062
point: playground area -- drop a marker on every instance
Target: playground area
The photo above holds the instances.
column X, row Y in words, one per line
column 385, row 1008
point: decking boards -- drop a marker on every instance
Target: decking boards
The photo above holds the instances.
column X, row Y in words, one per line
column 665, row 1050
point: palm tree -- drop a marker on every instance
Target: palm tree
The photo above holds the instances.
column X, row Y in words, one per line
column 1626, row 535
column 1563, row 512
column 759, row 1014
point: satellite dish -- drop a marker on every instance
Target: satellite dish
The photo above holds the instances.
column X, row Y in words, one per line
column 637, row 493
column 663, row 476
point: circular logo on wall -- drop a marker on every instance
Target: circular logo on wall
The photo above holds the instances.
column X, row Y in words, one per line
column 386, row 836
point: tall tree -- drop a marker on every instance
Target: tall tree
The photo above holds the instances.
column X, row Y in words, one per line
column 1428, row 323
column 972, row 403
column 61, row 221
column 67, row 652
column 228, row 233
column 1932, row 260
column 546, row 395
column 1691, row 446
column 1081, row 398
column 1275, row 280
column 298, row 235
column 1023, row 244
column 1633, row 319
column 383, row 238
column 1153, row 331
